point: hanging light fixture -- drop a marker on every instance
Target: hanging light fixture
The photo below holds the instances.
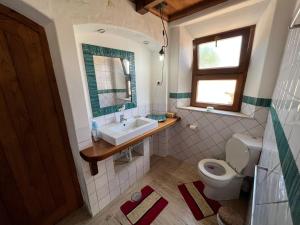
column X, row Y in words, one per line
column 161, row 54
column 164, row 33
column 162, row 51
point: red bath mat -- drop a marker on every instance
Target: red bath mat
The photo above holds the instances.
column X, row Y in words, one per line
column 198, row 203
column 146, row 210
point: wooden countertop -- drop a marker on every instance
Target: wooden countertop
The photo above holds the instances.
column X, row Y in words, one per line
column 102, row 149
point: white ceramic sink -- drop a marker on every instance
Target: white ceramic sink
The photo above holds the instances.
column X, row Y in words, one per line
column 118, row 133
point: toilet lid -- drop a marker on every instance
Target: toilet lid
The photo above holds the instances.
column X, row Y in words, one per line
column 237, row 154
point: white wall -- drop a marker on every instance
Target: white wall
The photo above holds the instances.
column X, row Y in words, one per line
column 185, row 61
column 280, row 28
column 143, row 62
column 259, row 49
column 174, row 59
column 269, row 42
column 121, row 14
column 159, row 93
column 181, row 60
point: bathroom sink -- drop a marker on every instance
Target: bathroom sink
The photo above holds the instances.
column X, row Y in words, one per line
column 118, row 133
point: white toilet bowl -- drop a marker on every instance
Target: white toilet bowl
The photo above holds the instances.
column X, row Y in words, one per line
column 220, row 180
column 216, row 172
column 223, row 179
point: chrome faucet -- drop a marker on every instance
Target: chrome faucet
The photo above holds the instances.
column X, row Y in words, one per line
column 122, row 117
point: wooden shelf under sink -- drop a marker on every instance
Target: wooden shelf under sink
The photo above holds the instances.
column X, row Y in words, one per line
column 102, row 149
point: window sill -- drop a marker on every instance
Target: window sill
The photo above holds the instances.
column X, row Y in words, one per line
column 214, row 111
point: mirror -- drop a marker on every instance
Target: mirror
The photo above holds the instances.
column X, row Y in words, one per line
column 111, row 78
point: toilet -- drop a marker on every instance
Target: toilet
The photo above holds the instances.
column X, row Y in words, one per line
column 223, row 179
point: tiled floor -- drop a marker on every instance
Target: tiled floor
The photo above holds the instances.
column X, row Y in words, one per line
column 164, row 176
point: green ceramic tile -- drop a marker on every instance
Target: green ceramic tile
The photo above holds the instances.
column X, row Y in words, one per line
column 180, row 95
column 106, row 91
column 263, row 102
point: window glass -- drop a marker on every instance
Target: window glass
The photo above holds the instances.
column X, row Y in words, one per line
column 224, row 53
column 216, row 91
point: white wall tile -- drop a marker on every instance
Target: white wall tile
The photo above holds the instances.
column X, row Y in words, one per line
column 93, row 199
column 123, row 176
column 91, row 187
column 104, row 202
column 211, row 134
column 124, row 186
column 294, row 140
column 114, row 193
column 113, row 182
column 94, row 209
column 103, row 191
column 101, row 181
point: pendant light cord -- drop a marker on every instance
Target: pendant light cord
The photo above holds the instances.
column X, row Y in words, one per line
column 162, row 73
column 165, row 45
column 165, row 34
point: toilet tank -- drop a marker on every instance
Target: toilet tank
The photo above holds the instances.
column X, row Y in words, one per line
column 254, row 146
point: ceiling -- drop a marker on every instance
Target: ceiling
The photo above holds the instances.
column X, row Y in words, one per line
column 138, row 37
column 247, row 14
column 174, row 9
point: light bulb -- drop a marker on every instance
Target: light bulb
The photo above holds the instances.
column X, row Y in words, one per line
column 161, row 57
column 162, row 54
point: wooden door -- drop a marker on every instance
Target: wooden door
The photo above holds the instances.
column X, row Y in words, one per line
column 38, row 182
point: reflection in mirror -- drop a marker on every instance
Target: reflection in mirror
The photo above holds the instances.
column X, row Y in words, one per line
column 113, row 80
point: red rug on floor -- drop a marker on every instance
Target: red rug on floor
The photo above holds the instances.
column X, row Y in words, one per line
column 147, row 209
column 198, row 203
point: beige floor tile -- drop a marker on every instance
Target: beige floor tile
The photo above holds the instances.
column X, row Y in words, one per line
column 164, row 176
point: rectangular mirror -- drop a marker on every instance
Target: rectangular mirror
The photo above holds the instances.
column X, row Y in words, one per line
column 111, row 78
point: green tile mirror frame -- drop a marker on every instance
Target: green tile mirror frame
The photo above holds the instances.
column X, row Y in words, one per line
column 88, row 52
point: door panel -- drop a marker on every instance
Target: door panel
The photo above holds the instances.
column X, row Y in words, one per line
column 37, row 168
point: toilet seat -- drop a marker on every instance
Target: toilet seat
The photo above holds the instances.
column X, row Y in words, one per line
column 229, row 173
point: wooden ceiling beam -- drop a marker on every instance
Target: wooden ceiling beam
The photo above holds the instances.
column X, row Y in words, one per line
column 195, row 8
column 143, row 6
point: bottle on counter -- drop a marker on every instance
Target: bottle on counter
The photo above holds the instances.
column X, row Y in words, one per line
column 95, row 133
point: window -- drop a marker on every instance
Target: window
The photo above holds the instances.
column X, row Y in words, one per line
column 220, row 54
column 220, row 68
column 216, row 91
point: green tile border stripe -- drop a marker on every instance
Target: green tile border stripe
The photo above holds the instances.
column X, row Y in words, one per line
column 180, row 95
column 263, row 102
column 106, row 91
column 289, row 168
